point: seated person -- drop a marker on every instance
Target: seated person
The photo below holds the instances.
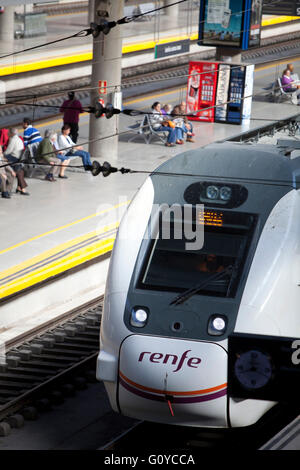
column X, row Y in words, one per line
column 159, row 123
column 294, row 75
column 210, row 264
column 166, row 109
column 65, row 141
column 287, row 82
column 46, row 153
column 182, row 108
column 31, row 134
column 183, row 126
column 4, row 138
column 7, row 176
column 12, row 155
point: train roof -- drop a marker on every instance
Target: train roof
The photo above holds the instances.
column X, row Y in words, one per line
column 238, row 160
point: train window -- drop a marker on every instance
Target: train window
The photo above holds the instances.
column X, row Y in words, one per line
column 170, row 266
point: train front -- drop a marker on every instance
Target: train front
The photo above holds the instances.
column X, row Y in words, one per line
column 178, row 275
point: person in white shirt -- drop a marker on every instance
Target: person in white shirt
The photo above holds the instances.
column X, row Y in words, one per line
column 65, row 141
column 12, row 154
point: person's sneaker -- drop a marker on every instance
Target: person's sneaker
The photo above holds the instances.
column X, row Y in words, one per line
column 6, row 195
column 179, row 142
column 49, row 177
column 169, row 145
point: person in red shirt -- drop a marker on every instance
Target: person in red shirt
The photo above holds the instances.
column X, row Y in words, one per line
column 71, row 109
column 4, row 138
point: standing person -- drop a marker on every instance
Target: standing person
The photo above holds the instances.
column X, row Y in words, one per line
column 71, row 109
column 31, row 134
column 46, row 153
column 65, row 141
column 12, row 154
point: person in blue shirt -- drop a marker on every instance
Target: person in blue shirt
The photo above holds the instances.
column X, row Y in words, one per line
column 31, row 134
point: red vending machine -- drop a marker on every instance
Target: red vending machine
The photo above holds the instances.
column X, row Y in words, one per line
column 201, row 90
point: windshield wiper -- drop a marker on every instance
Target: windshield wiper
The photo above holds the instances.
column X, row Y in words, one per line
column 179, row 299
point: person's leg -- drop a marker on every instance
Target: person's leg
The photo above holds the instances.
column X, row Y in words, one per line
column 17, row 166
column 85, row 156
column 21, row 180
column 2, row 182
column 9, row 181
column 56, row 168
column 179, row 135
column 74, row 131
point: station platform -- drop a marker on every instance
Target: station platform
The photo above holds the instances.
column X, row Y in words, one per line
column 138, row 37
column 71, row 224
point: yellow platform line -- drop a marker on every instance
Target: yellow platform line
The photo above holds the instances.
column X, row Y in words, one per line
column 57, row 260
column 57, row 229
column 126, row 49
column 85, row 56
column 278, row 20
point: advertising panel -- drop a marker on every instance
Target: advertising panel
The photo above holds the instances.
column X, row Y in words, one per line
column 222, row 93
column 236, row 93
column 248, row 91
column 193, row 88
column 202, row 90
column 255, row 23
column 222, row 22
column 230, row 23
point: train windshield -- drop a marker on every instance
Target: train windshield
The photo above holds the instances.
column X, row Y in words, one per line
column 171, row 266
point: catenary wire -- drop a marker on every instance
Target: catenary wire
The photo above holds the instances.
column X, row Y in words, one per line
column 88, row 31
column 124, row 20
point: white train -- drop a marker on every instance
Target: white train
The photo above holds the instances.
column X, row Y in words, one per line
column 172, row 301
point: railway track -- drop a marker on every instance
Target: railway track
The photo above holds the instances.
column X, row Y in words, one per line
column 42, row 368
column 134, row 81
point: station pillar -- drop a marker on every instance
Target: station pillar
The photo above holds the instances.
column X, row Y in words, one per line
column 228, row 54
column 171, row 12
column 106, row 80
column 7, row 22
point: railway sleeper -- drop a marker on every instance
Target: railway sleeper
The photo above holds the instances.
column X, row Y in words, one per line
column 10, row 385
column 18, row 377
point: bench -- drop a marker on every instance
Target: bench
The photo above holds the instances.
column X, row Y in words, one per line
column 29, row 162
column 144, row 129
column 280, row 93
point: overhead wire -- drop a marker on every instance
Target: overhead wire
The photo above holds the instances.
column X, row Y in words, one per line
column 135, row 111
column 120, row 86
column 88, row 31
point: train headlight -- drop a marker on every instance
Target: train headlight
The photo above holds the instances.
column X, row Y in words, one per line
column 139, row 317
column 225, row 193
column 217, row 325
column 212, row 192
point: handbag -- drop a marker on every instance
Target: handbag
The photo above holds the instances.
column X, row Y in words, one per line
column 170, row 124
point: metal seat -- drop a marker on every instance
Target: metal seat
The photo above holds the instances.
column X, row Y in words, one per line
column 290, row 95
column 28, row 158
column 144, row 128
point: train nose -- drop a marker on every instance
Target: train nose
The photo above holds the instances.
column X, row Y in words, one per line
column 173, row 381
